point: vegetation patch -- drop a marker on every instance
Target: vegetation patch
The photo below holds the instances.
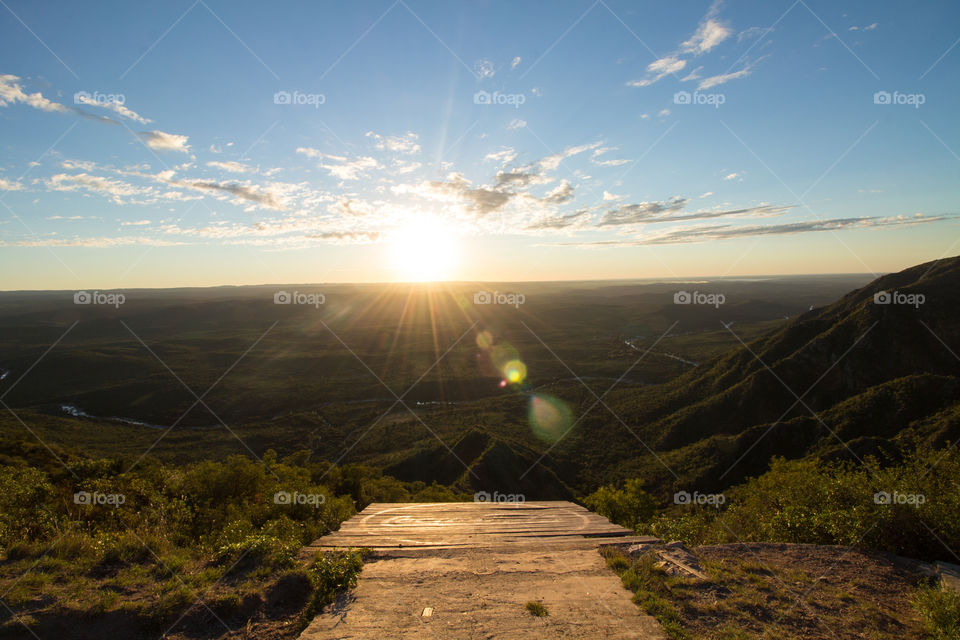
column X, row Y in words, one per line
column 763, row 591
column 100, row 547
column 940, row 610
column 537, row 608
column 908, row 505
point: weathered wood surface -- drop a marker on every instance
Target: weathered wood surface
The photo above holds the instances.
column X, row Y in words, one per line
column 458, row 524
column 474, row 566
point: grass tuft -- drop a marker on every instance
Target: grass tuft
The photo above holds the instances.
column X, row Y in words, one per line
column 537, row 609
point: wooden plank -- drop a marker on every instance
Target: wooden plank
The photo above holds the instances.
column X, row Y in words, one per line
column 469, row 524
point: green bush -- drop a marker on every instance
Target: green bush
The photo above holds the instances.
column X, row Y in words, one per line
column 940, row 610
column 331, row 573
column 816, row 502
column 629, row 506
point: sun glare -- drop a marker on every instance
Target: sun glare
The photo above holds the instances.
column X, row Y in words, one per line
column 423, row 251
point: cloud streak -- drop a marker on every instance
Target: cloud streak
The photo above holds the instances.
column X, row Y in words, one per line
column 707, row 233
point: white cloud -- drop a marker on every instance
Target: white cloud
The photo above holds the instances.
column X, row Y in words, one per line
column 341, row 167
column 349, row 170
column 709, row 34
column 731, row 176
column 502, row 157
column 551, row 162
column 310, row 152
column 693, row 75
column 11, row 92
column 706, row 195
column 606, row 163
column 401, row 168
column 165, row 141
column 407, row 143
column 869, row 27
column 663, row 113
column 135, row 223
column 516, row 123
column 111, row 105
column 231, row 166
column 516, row 62
column 118, row 191
column 657, row 69
column 484, row 69
column 752, row 32
column 10, row 185
column 101, row 242
column 607, row 196
column 714, row 81
column 561, row 194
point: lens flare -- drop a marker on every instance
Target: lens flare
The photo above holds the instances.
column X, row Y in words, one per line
column 549, row 417
column 484, row 340
column 502, row 354
column 514, row 372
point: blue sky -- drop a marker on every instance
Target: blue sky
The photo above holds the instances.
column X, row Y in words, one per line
column 155, row 146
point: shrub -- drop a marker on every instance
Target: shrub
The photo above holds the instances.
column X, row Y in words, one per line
column 940, row 610
column 630, row 506
column 331, row 573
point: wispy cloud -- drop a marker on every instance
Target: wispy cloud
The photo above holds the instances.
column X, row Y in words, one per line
column 616, row 162
column 710, row 33
column 118, row 191
column 744, row 71
column 577, row 218
column 667, row 211
column 248, row 192
column 231, row 166
column 407, row 143
column 341, row 166
column 161, row 141
column 111, row 105
column 502, row 157
column 707, row 233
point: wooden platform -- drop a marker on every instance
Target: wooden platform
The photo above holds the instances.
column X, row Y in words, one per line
column 469, row 524
column 466, row 570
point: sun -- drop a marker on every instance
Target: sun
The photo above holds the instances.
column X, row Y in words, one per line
column 424, row 250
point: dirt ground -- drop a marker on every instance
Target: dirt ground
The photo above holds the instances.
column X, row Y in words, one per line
column 770, row 590
column 482, row 593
